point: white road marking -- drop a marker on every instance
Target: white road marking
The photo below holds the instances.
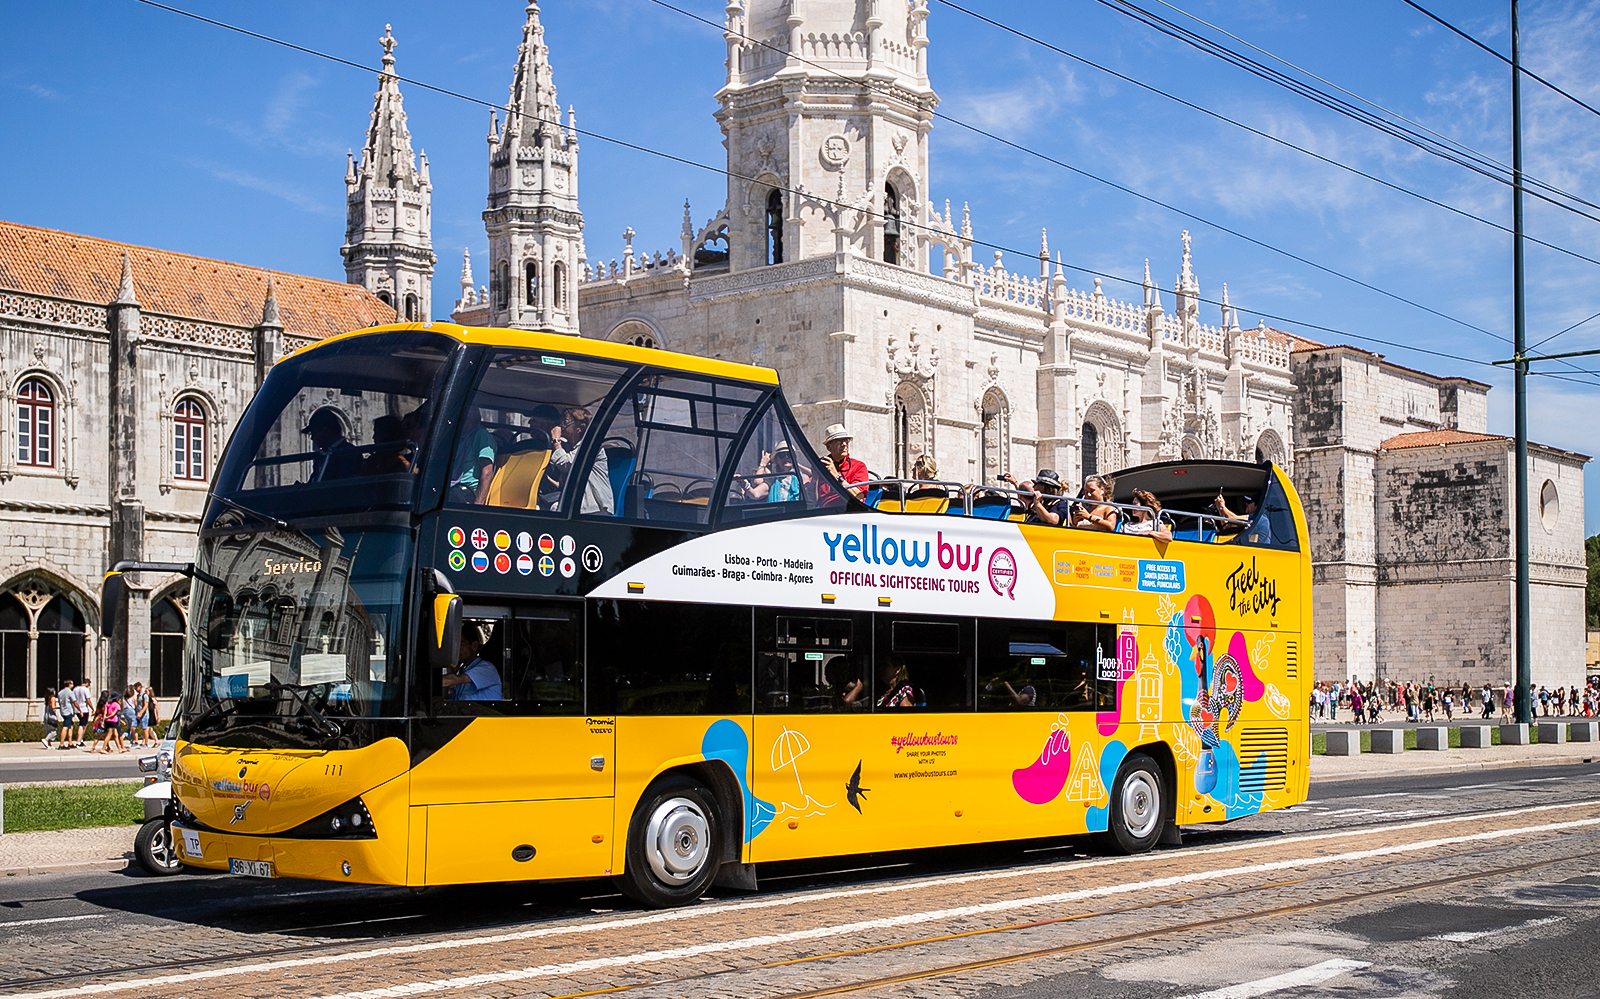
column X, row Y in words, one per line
column 1465, row 936
column 821, row 932
column 53, row 919
column 1314, row 975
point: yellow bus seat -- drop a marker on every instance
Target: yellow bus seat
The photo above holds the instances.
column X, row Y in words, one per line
column 516, row 483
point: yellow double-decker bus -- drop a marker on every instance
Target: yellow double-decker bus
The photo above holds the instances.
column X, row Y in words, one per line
column 488, row 605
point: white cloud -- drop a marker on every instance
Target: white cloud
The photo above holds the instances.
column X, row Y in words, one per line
column 282, row 122
column 288, row 192
column 42, row 91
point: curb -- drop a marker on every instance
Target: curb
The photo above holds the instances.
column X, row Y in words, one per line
column 118, row 864
column 1457, row 767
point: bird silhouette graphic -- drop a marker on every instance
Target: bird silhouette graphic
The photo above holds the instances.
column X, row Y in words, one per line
column 854, row 791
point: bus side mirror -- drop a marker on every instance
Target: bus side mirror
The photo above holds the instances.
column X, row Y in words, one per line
column 444, row 650
column 113, row 595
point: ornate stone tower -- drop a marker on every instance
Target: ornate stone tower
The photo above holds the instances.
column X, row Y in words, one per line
column 535, row 228
column 388, row 242
column 829, row 98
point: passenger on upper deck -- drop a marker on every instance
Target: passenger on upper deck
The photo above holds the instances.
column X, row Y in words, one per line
column 1046, row 505
column 1143, row 522
column 336, row 457
column 1263, row 528
column 597, row 494
column 1098, row 515
column 774, row 479
column 838, row 461
column 390, row 449
column 474, row 465
column 925, row 468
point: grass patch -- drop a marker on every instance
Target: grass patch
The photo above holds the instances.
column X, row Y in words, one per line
column 38, row 809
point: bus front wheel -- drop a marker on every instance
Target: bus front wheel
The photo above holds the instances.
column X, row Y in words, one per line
column 672, row 844
column 1138, row 806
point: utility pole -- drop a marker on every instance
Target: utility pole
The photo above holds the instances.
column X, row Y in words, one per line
column 1524, row 657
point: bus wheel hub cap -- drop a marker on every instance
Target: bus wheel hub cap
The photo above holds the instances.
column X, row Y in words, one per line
column 1139, row 806
column 677, row 840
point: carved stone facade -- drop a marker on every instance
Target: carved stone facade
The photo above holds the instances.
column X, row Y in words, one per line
column 830, row 262
column 130, row 346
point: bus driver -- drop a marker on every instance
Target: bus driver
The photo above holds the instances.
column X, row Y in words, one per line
column 476, row 679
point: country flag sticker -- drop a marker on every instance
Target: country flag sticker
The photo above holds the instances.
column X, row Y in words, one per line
column 524, row 542
column 458, row 560
column 568, row 567
column 502, row 540
column 458, row 537
column 547, row 565
column 480, row 562
column 547, row 544
column 525, row 564
column 480, row 538
column 502, row 563
column 568, row 546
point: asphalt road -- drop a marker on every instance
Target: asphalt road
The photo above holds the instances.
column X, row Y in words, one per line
column 74, row 765
column 1466, row 884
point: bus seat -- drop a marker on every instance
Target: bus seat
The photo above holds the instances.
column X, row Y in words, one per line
column 888, row 506
column 927, row 501
column 991, row 507
column 1195, row 534
column 516, row 483
column 873, row 496
column 619, row 462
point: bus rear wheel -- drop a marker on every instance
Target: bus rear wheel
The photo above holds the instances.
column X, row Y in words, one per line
column 672, row 844
column 1138, row 806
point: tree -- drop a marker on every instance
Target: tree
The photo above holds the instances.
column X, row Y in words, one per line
column 1592, row 547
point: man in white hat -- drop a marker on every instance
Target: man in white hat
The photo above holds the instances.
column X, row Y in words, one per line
column 838, row 461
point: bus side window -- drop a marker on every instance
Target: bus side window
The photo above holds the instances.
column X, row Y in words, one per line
column 648, row 657
column 1041, row 666
column 924, row 663
column 546, row 671
column 477, row 686
column 807, row 662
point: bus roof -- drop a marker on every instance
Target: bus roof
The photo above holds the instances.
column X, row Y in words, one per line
column 498, row 337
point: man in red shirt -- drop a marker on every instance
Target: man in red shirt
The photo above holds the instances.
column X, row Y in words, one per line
column 838, row 460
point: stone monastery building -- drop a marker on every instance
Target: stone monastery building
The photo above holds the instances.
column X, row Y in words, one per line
column 831, row 261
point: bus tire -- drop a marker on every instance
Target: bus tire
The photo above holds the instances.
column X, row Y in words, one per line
column 1138, row 806
column 153, row 848
column 673, row 844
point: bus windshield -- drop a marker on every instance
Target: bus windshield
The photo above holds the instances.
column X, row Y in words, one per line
column 357, row 409
column 299, row 647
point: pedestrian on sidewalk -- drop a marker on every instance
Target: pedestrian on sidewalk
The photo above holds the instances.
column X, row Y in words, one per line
column 84, row 705
column 1411, row 703
column 52, row 718
column 1333, row 702
column 69, row 713
column 1445, row 703
column 1505, row 705
column 1488, row 701
column 152, row 718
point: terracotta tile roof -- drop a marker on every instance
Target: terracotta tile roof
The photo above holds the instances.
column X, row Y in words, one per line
column 85, row 269
column 1429, row 438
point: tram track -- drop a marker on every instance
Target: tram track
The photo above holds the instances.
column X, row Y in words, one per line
column 795, row 896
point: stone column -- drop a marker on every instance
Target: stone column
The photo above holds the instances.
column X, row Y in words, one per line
column 128, row 649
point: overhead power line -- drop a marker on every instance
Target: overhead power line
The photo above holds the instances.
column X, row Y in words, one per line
column 1442, row 147
column 1530, row 74
column 1241, row 125
column 1132, row 282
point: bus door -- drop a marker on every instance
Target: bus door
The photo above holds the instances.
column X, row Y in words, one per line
column 525, row 789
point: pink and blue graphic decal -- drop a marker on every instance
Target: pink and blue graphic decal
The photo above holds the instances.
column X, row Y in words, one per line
column 1042, row 781
column 1098, row 817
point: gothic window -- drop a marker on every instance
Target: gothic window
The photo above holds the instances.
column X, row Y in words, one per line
column 166, row 647
column 891, row 225
column 634, row 332
column 386, row 299
column 558, row 286
column 189, row 440
column 775, row 227
column 502, row 294
column 36, row 424
column 530, row 273
column 14, row 641
column 996, row 436
column 911, row 428
column 1091, row 451
column 60, row 649
column 411, row 308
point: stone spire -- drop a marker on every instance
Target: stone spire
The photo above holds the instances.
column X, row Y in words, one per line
column 389, row 204
column 1187, row 291
column 268, row 335
column 125, row 294
column 533, row 220
column 269, row 308
column 466, row 274
column 1230, row 316
column 1044, row 255
column 1149, row 285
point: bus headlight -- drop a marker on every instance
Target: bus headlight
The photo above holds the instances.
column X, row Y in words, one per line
column 350, row 820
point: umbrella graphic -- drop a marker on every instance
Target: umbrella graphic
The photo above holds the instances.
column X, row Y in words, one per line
column 786, row 750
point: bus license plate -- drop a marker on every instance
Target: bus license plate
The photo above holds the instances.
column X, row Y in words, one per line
column 251, row 868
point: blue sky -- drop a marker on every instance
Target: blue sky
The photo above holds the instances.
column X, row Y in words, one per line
column 132, row 123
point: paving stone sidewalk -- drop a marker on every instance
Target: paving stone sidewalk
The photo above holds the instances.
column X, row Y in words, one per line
column 1416, row 761
column 105, row 848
